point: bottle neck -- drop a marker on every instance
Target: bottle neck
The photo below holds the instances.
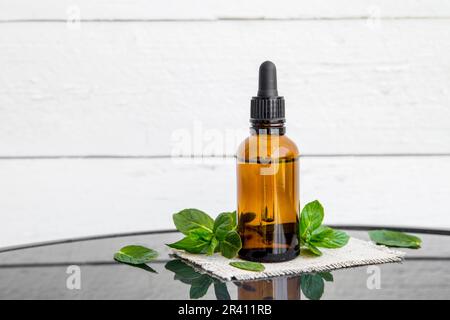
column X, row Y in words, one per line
column 268, row 127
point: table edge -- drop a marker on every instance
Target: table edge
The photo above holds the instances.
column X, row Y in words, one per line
column 432, row 231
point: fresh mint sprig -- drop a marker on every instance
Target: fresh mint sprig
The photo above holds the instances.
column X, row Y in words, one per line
column 206, row 235
column 313, row 235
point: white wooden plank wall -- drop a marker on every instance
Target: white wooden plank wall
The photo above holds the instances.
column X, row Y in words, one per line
column 95, row 95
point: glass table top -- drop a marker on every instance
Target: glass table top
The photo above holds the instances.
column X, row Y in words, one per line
column 85, row 269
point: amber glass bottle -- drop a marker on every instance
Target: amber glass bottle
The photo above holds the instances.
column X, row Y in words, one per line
column 267, row 179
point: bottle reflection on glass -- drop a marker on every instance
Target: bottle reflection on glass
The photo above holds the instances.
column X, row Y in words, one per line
column 270, row 289
column 281, row 288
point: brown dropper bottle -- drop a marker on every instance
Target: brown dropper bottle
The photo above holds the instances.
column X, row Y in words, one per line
column 267, row 179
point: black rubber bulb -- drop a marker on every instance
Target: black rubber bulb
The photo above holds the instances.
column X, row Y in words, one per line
column 267, row 80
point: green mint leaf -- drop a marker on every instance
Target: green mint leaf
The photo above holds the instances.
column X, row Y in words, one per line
column 230, row 246
column 221, row 291
column 327, row 276
column 224, row 223
column 189, row 219
column 310, row 219
column 312, row 286
column 135, row 255
column 326, row 237
column 191, row 244
column 200, row 286
column 312, row 249
column 213, row 244
column 234, row 217
column 395, row 239
column 247, row 265
column 321, row 232
column 200, row 234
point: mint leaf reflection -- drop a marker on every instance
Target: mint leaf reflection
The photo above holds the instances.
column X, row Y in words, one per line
column 200, row 286
column 140, row 266
column 221, row 291
column 313, row 285
column 199, row 282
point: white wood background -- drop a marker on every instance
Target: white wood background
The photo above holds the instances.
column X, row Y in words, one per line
column 90, row 105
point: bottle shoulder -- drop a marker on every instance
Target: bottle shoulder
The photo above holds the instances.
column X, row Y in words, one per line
column 272, row 146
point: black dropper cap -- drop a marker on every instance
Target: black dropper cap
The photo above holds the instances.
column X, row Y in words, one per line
column 267, row 108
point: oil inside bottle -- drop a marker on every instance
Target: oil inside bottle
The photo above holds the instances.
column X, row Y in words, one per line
column 268, row 211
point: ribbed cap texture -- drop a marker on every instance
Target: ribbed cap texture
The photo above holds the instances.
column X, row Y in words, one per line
column 267, row 108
